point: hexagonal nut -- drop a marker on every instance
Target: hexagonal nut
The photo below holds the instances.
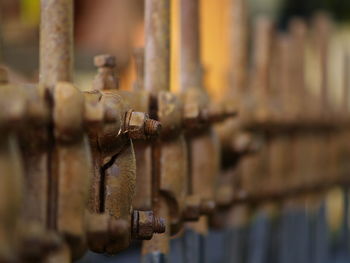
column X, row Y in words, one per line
column 152, row 127
column 140, row 126
column 135, row 125
column 105, row 60
column 145, row 224
column 192, row 208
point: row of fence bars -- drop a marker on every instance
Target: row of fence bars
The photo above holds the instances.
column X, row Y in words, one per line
column 78, row 149
column 92, row 171
column 292, row 147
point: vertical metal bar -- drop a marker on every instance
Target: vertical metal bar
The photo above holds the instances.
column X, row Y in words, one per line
column 239, row 47
column 190, row 78
column 323, row 45
column 56, row 42
column 56, row 64
column 297, row 28
column 139, row 56
column 157, row 51
column 345, row 169
column 320, row 248
column 305, row 141
column 190, row 45
column 345, row 91
column 235, row 240
column 157, row 79
column 258, row 236
column 345, row 234
column 262, row 53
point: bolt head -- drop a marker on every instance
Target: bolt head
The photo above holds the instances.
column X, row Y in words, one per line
column 143, row 225
column 104, row 61
column 152, row 127
column 136, row 125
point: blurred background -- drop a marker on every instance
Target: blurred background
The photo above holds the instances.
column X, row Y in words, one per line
column 116, row 27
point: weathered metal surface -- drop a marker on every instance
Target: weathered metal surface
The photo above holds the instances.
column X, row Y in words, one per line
column 145, row 224
column 56, row 41
column 158, row 246
column 11, row 170
column 68, row 155
column 114, row 179
column 73, row 157
column 140, row 101
column 91, row 170
column 157, row 55
column 203, row 144
column 169, row 154
column 191, row 72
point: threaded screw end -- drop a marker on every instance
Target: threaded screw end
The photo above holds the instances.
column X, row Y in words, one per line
column 152, row 127
column 159, row 225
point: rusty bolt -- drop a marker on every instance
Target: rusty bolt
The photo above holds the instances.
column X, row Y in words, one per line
column 140, row 126
column 152, row 127
column 104, row 61
column 145, row 224
column 135, row 124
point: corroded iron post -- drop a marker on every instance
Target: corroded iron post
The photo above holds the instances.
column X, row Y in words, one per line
column 157, row 54
column 56, row 42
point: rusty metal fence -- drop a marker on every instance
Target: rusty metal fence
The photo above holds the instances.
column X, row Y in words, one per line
column 174, row 173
